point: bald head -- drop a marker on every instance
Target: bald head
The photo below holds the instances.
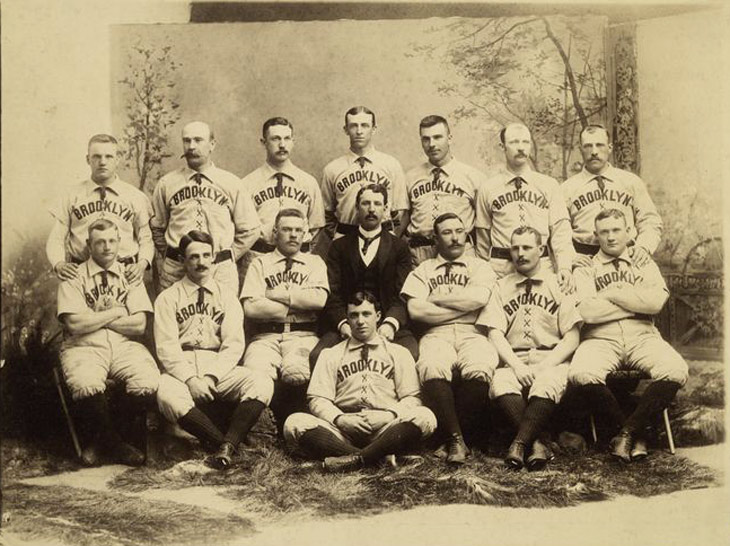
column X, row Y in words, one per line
column 198, row 144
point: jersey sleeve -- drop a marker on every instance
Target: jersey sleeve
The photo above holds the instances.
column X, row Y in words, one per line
column 245, row 220
column 138, row 301
column 328, row 189
column 254, row 285
column 318, row 274
column 561, row 232
column 142, row 228
column 400, row 199
column 647, row 219
column 232, row 337
column 568, row 315
column 584, row 283
column 416, row 285
column 482, row 274
column 167, row 339
column 70, row 298
column 483, row 212
column 315, row 216
column 492, row 315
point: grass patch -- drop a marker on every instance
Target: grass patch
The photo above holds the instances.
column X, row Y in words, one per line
column 77, row 516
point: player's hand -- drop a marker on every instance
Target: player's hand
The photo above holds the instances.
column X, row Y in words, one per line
column 640, row 256
column 200, row 390
column 65, row 270
column 377, row 419
column 354, row 424
column 212, row 383
column 135, row 272
column 524, row 375
column 581, row 260
column 387, row 330
column 566, row 281
column 280, row 294
column 345, row 331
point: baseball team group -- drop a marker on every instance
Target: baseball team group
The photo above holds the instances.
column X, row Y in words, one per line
column 443, row 296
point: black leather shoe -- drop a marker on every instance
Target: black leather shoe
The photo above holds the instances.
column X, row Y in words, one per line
column 639, row 451
column 223, row 457
column 538, row 457
column 124, row 453
column 620, row 446
column 457, row 450
column 343, row 463
column 90, row 455
column 515, row 458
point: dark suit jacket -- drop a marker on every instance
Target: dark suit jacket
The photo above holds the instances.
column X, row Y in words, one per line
column 343, row 270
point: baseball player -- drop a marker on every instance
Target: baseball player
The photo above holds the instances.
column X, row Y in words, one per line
column 199, row 338
column 202, row 197
column 441, row 184
column 520, row 196
column 100, row 311
column 535, row 329
column 279, row 184
column 282, row 294
column 600, row 186
column 363, row 397
column 617, row 299
column 362, row 165
column 103, row 195
column 447, row 293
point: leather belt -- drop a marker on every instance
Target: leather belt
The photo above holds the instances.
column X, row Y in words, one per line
column 175, row 254
column 584, row 248
column 503, row 253
column 283, row 327
column 188, row 347
column 264, row 247
column 124, row 261
column 539, row 348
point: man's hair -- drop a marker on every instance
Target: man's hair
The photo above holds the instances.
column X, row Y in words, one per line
column 445, row 216
column 594, row 128
column 284, row 213
column 528, row 229
column 276, row 121
column 377, row 188
column 361, row 296
column 432, row 120
column 359, row 110
column 610, row 213
column 194, row 236
column 102, row 224
column 102, row 138
column 211, row 133
column 503, row 130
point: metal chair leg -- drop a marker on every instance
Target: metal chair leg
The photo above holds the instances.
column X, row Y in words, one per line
column 668, row 427
column 66, row 412
column 593, row 429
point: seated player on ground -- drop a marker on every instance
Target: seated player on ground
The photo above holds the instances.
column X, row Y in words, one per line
column 363, row 397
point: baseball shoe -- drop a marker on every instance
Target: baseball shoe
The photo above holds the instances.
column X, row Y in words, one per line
column 515, row 458
column 539, row 456
column 620, row 446
column 442, row 452
column 457, row 450
column 389, row 460
column 343, row 463
column 223, row 457
column 90, row 455
column 128, row 455
column 639, row 451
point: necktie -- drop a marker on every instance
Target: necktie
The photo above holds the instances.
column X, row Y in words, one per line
column 201, row 295
column 528, row 286
column 367, row 241
column 102, row 192
column 518, row 182
column 436, row 172
column 365, row 352
column 361, row 161
column 278, row 192
column 198, row 178
column 289, row 263
column 601, row 183
column 447, row 268
column 105, row 278
column 616, row 263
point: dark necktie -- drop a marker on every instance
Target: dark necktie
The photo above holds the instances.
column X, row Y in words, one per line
column 616, row 263
column 601, row 183
column 361, row 161
column 201, row 295
column 367, row 241
column 447, row 268
column 289, row 263
column 528, row 286
column 102, row 192
column 518, row 182
column 105, row 278
column 436, row 172
column 279, row 191
column 198, row 178
column 365, row 352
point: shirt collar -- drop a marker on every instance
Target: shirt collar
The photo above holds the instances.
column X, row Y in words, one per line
column 604, row 258
column 537, row 277
column 112, row 186
column 609, row 173
column 353, row 344
column 287, row 170
column 440, row 260
column 529, row 176
column 369, row 234
column 190, row 287
column 367, row 155
column 447, row 168
column 208, row 172
column 278, row 256
column 94, row 268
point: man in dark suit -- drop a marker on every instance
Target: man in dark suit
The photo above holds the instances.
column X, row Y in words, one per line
column 369, row 259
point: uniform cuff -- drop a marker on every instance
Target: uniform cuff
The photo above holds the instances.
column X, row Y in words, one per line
column 393, row 322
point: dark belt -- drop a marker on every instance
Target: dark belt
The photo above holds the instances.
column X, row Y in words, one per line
column 188, row 347
column 584, row 248
column 175, row 254
column 124, row 261
column 282, row 327
column 264, row 247
column 540, row 348
column 503, row 253
column 416, row 241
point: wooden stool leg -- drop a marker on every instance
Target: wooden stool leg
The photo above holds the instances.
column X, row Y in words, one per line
column 593, row 429
column 668, row 427
column 66, row 412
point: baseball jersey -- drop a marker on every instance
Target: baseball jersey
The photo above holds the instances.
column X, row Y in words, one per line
column 604, row 272
column 440, row 276
column 432, row 190
column 86, row 202
column 215, row 203
column 189, row 317
column 502, row 207
column 621, row 190
column 307, row 272
column 532, row 313
column 298, row 190
column 387, row 380
column 343, row 177
column 95, row 289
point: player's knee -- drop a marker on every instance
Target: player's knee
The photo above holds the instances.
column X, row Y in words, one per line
column 423, row 418
column 478, row 373
column 257, row 387
column 81, row 391
column 433, row 369
column 676, row 371
column 296, row 425
column 295, row 373
column 144, row 384
column 579, row 375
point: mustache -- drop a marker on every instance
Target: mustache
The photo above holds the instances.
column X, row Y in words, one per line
column 455, row 245
column 201, row 268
